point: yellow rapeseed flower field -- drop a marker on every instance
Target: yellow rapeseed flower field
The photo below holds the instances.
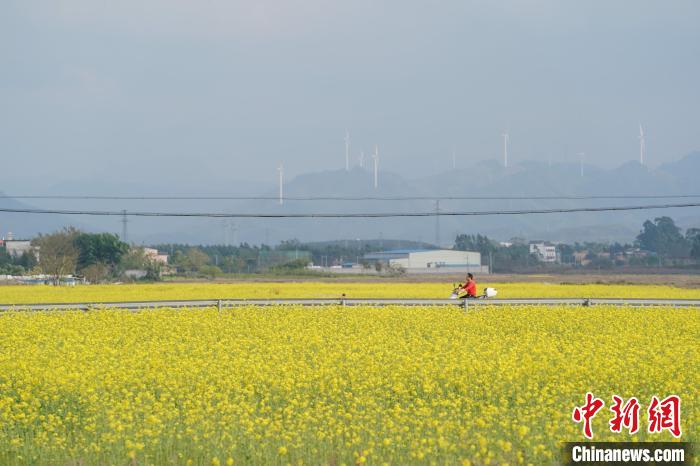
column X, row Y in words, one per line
column 160, row 291
column 331, row 385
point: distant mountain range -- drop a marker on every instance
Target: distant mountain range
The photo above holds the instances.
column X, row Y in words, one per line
column 488, row 178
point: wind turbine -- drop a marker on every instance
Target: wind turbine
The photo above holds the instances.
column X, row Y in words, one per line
column 582, row 155
column 641, row 145
column 506, row 138
column 281, row 170
column 375, row 156
column 347, row 150
column 362, row 159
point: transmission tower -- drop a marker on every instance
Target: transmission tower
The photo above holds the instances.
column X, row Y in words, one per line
column 125, row 220
column 437, row 223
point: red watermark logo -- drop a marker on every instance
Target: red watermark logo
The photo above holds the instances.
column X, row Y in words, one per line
column 661, row 415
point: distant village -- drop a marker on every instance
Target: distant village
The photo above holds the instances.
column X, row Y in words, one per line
column 71, row 257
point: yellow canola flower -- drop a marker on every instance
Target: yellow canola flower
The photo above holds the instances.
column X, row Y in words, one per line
column 334, row 289
column 333, row 384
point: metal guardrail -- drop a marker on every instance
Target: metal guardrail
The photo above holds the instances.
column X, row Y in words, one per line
column 226, row 303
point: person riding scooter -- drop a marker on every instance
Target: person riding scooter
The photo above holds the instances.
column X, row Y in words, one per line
column 468, row 290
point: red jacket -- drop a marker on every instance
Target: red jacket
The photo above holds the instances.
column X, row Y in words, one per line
column 470, row 286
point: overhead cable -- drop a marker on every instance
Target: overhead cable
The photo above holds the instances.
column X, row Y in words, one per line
column 338, row 198
column 122, row 213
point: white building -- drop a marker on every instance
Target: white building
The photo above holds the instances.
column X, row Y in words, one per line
column 431, row 260
column 16, row 248
column 545, row 252
column 155, row 256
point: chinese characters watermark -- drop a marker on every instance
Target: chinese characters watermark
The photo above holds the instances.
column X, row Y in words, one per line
column 661, row 415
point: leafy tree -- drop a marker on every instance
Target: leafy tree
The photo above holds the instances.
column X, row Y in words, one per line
column 693, row 238
column 58, row 255
column 480, row 243
column 96, row 273
column 601, row 262
column 11, row 269
column 663, row 237
column 566, row 252
column 290, row 266
column 189, row 260
column 196, row 259
column 5, row 258
column 134, row 259
column 27, row 260
column 101, row 248
column 210, row 271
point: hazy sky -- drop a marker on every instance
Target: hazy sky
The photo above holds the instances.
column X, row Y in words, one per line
column 178, row 89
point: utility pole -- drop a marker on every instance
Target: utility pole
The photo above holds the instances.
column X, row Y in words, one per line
column 280, row 169
column 229, row 232
column 376, row 166
column 347, row 150
column 437, row 223
column 641, row 145
column 124, row 229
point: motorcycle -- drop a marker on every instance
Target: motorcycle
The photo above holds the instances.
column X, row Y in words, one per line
column 460, row 293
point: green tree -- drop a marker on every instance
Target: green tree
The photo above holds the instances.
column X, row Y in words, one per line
column 196, row 259
column 693, row 238
column 100, row 248
column 566, row 252
column 663, row 237
column 136, row 259
column 480, row 243
column 210, row 271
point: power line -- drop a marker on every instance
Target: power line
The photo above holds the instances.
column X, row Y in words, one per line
column 345, row 215
column 339, row 198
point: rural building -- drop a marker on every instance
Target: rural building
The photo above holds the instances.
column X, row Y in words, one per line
column 581, row 258
column 156, row 256
column 430, row 260
column 545, row 252
column 16, row 248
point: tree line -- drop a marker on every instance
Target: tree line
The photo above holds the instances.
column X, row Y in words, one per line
column 103, row 256
column 659, row 242
column 95, row 256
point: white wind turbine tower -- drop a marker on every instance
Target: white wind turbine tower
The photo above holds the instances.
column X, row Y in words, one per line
column 280, row 169
column 506, row 138
column 347, row 150
column 375, row 156
column 641, row 145
column 362, row 159
column 582, row 155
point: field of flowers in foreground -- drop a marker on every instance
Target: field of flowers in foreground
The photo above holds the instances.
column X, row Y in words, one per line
column 331, row 385
column 165, row 291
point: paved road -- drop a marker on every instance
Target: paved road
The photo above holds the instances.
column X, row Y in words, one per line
column 225, row 303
